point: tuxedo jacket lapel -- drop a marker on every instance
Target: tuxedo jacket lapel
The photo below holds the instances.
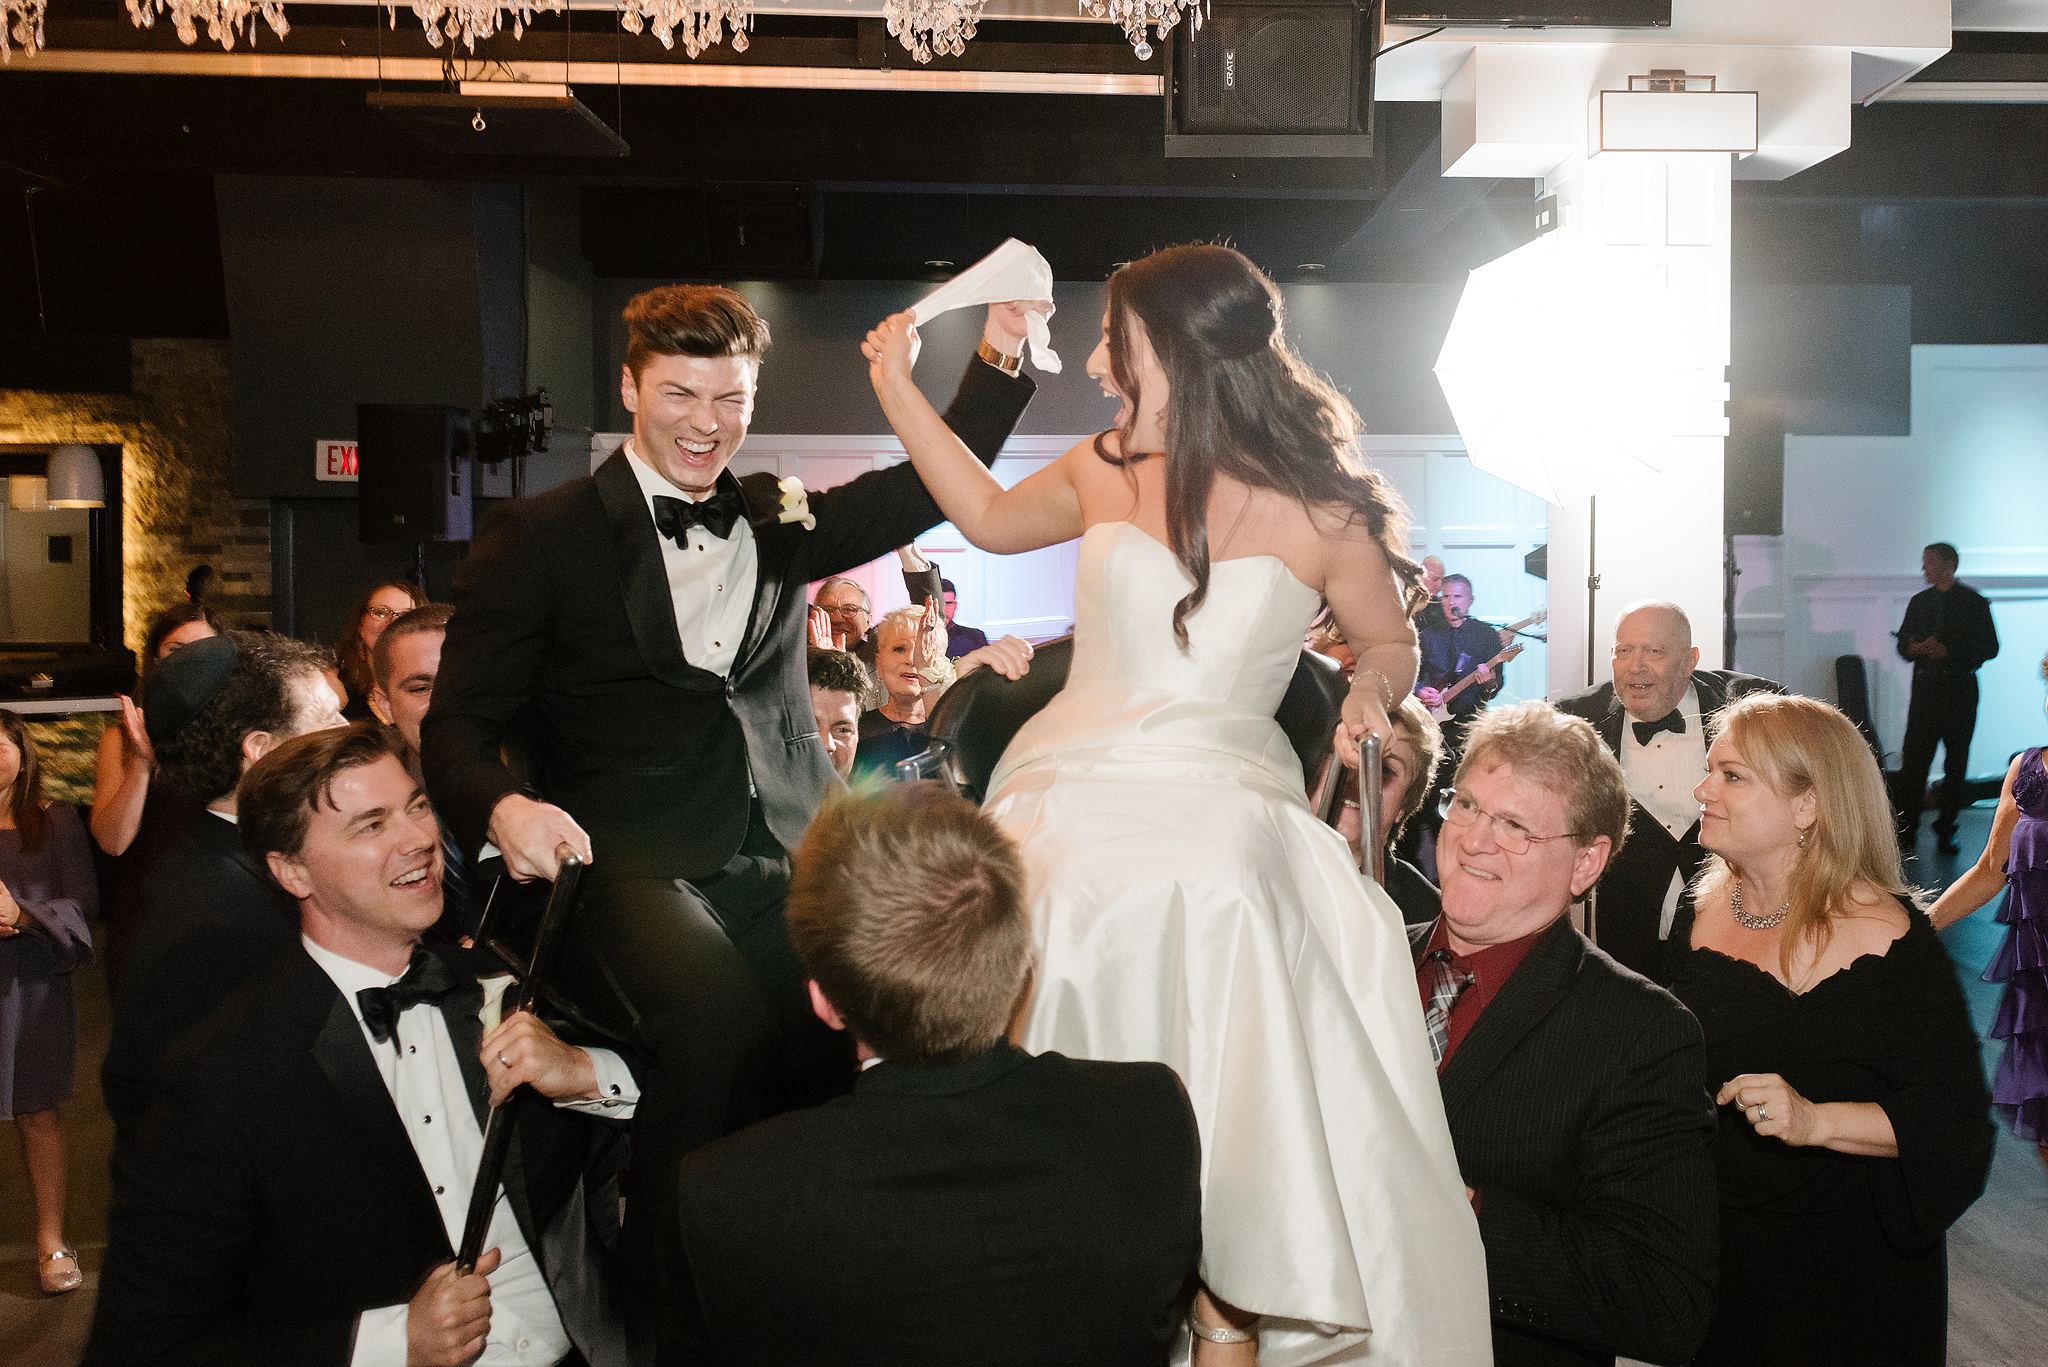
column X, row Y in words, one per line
column 1610, row 725
column 344, row 1057
column 641, row 573
column 1536, row 987
column 772, row 558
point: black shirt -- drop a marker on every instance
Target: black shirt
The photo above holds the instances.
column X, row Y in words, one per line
column 1960, row 618
column 1449, row 655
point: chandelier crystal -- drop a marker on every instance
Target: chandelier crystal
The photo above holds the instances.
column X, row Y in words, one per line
column 470, row 20
column 221, row 17
column 21, row 25
column 1133, row 15
column 925, row 27
column 703, row 22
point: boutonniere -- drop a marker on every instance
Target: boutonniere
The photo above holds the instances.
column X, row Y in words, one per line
column 493, row 1009
column 796, row 504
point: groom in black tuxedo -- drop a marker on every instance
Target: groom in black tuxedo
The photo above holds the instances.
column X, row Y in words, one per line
column 1655, row 717
column 641, row 633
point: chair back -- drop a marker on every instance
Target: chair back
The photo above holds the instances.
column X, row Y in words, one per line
column 979, row 716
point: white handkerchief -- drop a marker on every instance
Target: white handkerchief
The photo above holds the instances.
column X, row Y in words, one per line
column 1012, row 271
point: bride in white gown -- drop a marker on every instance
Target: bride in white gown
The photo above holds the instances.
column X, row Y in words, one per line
column 1186, row 906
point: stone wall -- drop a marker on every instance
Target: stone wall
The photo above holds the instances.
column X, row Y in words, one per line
column 178, row 509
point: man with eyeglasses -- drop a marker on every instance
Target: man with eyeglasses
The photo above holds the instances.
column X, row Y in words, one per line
column 1574, row 1088
column 1654, row 716
column 849, row 616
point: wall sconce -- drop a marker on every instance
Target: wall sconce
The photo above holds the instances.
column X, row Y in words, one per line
column 75, row 479
column 28, row 493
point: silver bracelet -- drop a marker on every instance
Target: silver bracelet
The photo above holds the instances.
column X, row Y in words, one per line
column 1386, row 689
column 1222, row 1334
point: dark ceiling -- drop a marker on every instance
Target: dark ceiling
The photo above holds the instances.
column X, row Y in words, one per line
column 117, row 173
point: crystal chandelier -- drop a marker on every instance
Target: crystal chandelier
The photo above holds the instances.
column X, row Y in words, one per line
column 21, row 24
column 222, row 17
column 1133, row 15
column 932, row 26
column 703, row 22
column 470, row 20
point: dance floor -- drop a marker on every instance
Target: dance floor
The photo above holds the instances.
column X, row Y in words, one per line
column 1998, row 1253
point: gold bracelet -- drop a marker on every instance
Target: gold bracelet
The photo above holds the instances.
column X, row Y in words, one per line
column 1001, row 360
column 1386, row 689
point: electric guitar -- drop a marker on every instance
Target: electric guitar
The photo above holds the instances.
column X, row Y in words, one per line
column 1442, row 710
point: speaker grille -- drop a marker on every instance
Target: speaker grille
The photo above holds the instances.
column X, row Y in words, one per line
column 1294, row 69
column 1267, row 68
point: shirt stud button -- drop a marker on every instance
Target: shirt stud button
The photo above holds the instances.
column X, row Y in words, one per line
column 430, row 1120
column 439, row 1190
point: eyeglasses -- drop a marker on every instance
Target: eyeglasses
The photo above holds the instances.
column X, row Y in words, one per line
column 384, row 614
column 847, row 610
column 1512, row 836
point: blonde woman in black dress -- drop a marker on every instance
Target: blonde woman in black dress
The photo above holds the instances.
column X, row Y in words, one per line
column 1854, row 1126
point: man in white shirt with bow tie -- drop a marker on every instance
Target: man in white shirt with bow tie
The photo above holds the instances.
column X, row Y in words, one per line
column 304, row 1174
column 1654, row 716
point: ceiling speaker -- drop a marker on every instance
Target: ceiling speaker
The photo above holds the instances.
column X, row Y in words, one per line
column 1262, row 78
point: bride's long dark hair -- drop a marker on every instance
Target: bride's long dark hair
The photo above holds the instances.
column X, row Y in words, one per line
column 1239, row 403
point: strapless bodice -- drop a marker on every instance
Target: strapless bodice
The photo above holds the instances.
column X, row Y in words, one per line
column 1133, row 695
column 1243, row 641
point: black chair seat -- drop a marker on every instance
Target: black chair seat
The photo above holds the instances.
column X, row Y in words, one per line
column 979, row 716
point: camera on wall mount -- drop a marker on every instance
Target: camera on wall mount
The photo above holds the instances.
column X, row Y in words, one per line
column 510, row 428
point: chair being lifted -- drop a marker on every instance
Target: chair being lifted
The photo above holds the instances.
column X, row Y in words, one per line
column 979, row 716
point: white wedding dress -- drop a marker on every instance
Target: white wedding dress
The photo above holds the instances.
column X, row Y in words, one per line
column 1188, row 908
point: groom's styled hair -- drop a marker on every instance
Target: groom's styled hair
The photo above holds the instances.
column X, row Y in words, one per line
column 691, row 320
column 907, row 908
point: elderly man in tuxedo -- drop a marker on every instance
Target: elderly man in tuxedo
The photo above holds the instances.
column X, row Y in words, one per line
column 1575, row 1090
column 643, row 633
column 297, row 1188
column 1654, row 717
column 969, row 1202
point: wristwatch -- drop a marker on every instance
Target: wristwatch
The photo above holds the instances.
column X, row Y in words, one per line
column 1001, row 360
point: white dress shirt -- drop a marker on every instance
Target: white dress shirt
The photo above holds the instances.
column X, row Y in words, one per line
column 424, row 1076
column 710, row 580
column 1661, row 777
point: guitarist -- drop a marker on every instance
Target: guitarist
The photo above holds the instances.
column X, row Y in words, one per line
column 1458, row 648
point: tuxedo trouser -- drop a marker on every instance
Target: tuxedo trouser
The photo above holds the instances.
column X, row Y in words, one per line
column 1943, row 712
column 702, row 976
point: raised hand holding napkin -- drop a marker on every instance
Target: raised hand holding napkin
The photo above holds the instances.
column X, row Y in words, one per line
column 1014, row 271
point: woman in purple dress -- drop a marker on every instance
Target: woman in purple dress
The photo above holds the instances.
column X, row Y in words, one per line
column 46, row 894
column 2016, row 858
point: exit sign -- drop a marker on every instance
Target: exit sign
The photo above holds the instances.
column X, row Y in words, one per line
column 335, row 460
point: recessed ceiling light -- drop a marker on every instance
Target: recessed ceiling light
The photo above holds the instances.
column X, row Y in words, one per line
column 1310, row 266
column 939, row 265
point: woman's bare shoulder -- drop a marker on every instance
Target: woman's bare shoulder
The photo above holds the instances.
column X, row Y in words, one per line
column 1872, row 920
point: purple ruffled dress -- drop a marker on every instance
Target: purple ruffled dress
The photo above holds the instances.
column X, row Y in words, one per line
column 2020, row 1088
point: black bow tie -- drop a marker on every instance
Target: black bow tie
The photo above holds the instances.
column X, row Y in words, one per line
column 673, row 517
column 427, row 982
column 1672, row 721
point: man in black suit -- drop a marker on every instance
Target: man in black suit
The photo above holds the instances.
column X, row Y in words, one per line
column 650, row 621
column 1576, row 1091
column 211, row 919
column 969, row 1203
column 1948, row 635
column 294, row 1194
column 1656, row 717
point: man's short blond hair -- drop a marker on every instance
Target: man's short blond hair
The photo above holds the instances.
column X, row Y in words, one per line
column 1561, row 752
column 907, row 907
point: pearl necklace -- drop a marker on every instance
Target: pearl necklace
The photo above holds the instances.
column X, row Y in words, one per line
column 1749, row 922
